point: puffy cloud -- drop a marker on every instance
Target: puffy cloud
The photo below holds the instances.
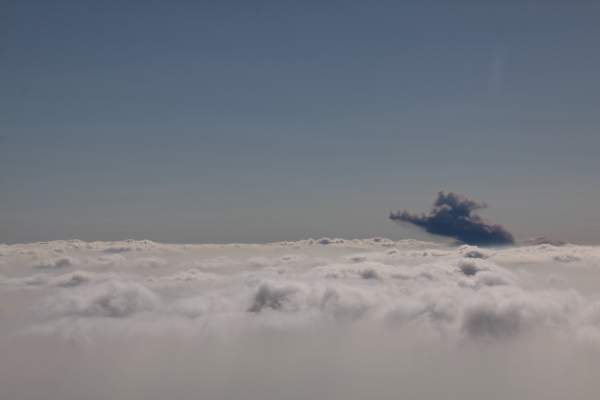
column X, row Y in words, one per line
column 211, row 263
column 71, row 279
column 78, row 278
column 118, row 249
column 543, row 240
column 471, row 267
column 191, row 276
column 274, row 296
column 567, row 258
column 361, row 270
column 508, row 311
column 56, row 262
column 286, row 260
column 113, row 298
column 473, row 252
column 451, row 215
column 49, row 249
column 357, row 304
column 149, row 262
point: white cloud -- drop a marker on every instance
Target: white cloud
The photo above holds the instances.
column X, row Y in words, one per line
column 55, row 262
column 184, row 277
column 113, row 298
column 359, row 302
column 508, row 311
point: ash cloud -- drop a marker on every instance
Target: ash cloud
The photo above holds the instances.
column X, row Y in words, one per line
column 452, row 215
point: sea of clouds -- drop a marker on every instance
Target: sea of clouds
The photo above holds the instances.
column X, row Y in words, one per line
column 326, row 319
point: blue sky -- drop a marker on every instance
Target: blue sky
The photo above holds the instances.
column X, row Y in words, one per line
column 259, row 121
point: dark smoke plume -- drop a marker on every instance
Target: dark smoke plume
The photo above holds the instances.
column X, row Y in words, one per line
column 451, row 216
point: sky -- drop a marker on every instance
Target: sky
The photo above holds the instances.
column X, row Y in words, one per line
column 257, row 122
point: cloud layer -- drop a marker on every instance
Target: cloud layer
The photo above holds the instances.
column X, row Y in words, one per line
column 328, row 318
column 451, row 215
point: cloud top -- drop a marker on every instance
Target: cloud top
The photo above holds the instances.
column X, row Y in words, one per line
column 204, row 317
column 452, row 215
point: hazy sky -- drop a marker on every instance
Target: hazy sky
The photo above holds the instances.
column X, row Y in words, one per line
column 230, row 121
